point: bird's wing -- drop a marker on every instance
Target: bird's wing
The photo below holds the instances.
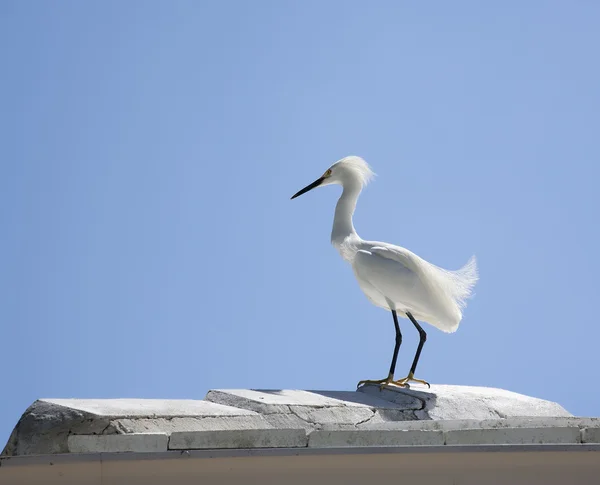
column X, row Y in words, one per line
column 430, row 275
column 398, row 254
column 452, row 288
column 391, row 273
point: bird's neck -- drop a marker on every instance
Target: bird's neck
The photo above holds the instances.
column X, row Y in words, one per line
column 342, row 222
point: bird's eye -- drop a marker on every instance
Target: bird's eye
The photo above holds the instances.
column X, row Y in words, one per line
column 327, row 174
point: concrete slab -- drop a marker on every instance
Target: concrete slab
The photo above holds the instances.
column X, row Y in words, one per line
column 118, row 443
column 465, row 402
column 238, row 439
column 457, row 424
column 285, row 418
column 164, row 425
column 316, row 408
column 45, row 426
column 359, row 438
column 514, row 436
column 278, row 400
column 590, row 435
column 122, row 408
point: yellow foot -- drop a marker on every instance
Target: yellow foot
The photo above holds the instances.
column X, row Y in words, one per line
column 410, row 378
column 388, row 381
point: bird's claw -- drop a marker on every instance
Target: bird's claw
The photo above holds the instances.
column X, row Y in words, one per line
column 388, row 381
column 411, row 378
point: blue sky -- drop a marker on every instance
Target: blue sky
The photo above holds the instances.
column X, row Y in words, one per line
column 149, row 151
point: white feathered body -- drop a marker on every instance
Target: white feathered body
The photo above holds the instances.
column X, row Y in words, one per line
column 394, row 278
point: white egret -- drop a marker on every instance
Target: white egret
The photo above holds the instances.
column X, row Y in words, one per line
column 390, row 276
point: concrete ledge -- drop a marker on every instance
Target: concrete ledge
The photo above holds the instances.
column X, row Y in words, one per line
column 513, row 436
column 590, row 435
column 238, row 439
column 144, row 408
column 139, row 443
column 295, row 419
column 315, row 408
column 169, row 426
column 456, row 424
column 363, row 438
column 46, row 425
column 444, row 402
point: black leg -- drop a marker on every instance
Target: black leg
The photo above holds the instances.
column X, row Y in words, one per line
column 422, row 339
column 397, row 346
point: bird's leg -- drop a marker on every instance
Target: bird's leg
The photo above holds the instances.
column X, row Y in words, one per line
column 389, row 380
column 411, row 375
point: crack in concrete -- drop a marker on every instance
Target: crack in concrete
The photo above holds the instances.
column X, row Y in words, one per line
column 120, row 428
column 288, row 409
column 243, row 403
column 280, row 409
column 314, row 423
column 366, row 420
column 423, row 402
column 500, row 415
column 107, row 426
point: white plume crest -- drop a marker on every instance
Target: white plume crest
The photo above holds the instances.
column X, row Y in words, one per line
column 358, row 167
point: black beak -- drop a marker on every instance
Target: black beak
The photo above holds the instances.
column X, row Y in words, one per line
column 316, row 183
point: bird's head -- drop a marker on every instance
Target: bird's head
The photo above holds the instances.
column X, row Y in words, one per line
column 347, row 171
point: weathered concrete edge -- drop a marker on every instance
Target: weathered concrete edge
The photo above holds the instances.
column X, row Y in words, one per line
column 238, row 439
column 573, row 435
column 514, row 436
column 323, row 439
column 46, row 418
column 119, row 443
column 368, row 438
column 333, row 438
column 56, row 422
column 590, row 435
column 45, row 414
column 456, row 424
column 65, row 458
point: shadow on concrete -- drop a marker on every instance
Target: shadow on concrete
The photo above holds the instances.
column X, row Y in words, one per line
column 373, row 397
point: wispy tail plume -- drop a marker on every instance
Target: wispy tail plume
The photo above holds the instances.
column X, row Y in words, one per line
column 464, row 281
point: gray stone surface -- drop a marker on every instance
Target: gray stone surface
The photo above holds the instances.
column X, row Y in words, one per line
column 238, row 439
column 171, row 425
column 590, row 435
column 118, row 443
column 372, row 405
column 47, row 423
column 513, row 422
column 166, row 408
column 513, row 436
column 243, row 418
column 465, row 402
column 352, row 438
column 316, row 408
